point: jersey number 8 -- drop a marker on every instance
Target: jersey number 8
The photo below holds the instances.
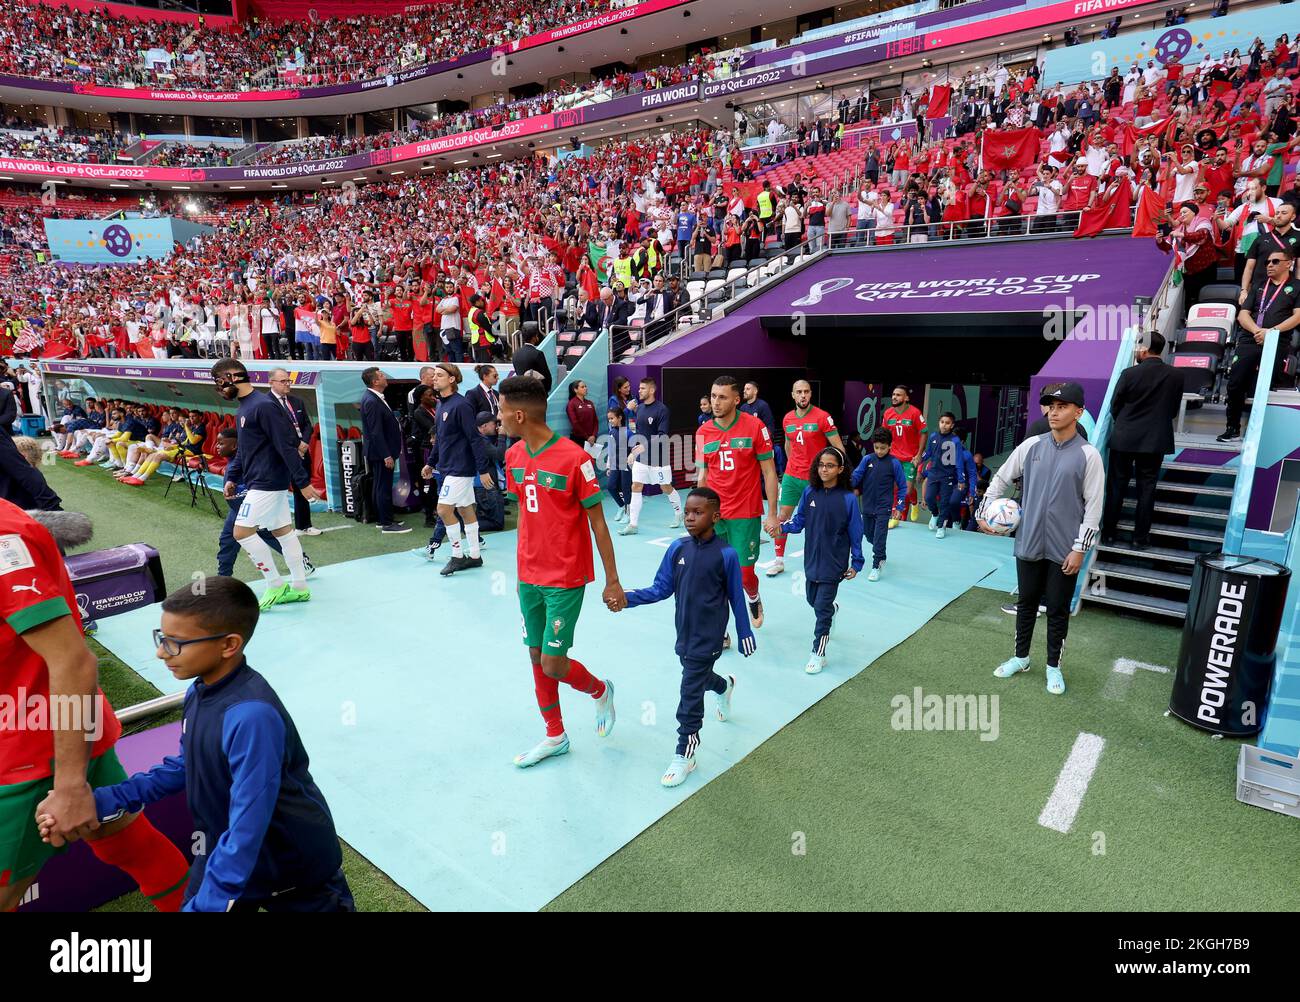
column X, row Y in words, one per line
column 530, row 497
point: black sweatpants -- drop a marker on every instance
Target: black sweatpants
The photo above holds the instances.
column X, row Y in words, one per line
column 1039, row 579
column 938, row 498
column 1241, row 379
column 821, row 596
column 698, row 677
column 875, row 527
column 1145, row 468
column 332, row 896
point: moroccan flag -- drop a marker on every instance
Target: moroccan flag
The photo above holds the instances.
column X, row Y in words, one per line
column 1111, row 212
column 599, row 260
column 1151, row 207
column 940, row 94
column 1131, row 133
column 1009, row 149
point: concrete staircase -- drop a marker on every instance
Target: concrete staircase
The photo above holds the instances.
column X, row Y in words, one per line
column 1193, row 496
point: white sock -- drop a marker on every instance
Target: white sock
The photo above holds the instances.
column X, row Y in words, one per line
column 58, row 440
column 634, row 508
column 263, row 558
column 675, row 500
column 453, row 534
column 292, row 551
column 471, row 536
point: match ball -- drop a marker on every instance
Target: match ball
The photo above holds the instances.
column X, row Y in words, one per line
column 1002, row 516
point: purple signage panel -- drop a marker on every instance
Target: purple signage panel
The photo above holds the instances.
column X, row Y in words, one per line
column 115, row 580
column 1015, row 277
column 147, row 371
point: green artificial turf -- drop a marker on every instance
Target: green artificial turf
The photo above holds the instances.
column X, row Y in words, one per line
column 841, row 811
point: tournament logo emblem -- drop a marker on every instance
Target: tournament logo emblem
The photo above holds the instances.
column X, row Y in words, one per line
column 1173, row 45
column 117, row 240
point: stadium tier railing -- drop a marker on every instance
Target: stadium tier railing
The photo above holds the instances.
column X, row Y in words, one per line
column 1237, row 510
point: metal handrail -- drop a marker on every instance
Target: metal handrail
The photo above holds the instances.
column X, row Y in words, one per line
column 1099, row 441
column 1241, row 491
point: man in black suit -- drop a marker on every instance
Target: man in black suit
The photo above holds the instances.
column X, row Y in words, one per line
column 658, row 310
column 8, row 411
column 1143, row 408
column 528, row 358
column 280, row 384
column 382, row 437
column 589, row 319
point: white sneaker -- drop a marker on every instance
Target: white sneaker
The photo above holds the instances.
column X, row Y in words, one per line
column 678, row 769
column 676, row 523
column 311, row 530
column 628, row 530
column 938, row 533
column 875, row 574
column 722, row 700
column 621, row 516
column 778, row 565
column 934, row 522
column 815, row 664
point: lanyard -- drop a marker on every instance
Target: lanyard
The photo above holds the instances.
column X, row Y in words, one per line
column 1265, row 303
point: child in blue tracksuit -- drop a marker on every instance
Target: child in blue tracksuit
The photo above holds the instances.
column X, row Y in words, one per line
column 618, row 479
column 944, row 474
column 879, row 480
column 833, row 547
column 264, row 836
column 969, row 481
column 703, row 573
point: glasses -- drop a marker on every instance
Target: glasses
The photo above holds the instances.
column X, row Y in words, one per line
column 171, row 646
column 1276, row 260
column 828, row 466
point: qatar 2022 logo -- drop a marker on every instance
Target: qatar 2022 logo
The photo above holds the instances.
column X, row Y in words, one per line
column 117, row 240
column 1173, row 46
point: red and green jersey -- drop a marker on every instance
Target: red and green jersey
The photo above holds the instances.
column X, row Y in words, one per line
column 908, row 428
column 34, row 590
column 731, row 453
column 804, row 438
column 555, row 486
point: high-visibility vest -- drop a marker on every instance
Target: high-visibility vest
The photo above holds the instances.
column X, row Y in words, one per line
column 480, row 328
column 639, row 259
column 653, row 251
column 623, row 270
column 766, row 205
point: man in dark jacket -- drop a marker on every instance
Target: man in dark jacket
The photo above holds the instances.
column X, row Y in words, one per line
column 382, row 437
column 462, row 463
column 528, row 358
column 1143, row 408
column 281, row 383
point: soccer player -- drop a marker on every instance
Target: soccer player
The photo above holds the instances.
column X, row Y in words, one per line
column 703, row 573
column 559, row 511
column 907, row 425
column 269, row 839
column 808, row 430
column 651, row 463
column 733, row 453
column 829, row 511
column 54, row 757
column 1061, row 502
column 269, row 462
column 462, row 459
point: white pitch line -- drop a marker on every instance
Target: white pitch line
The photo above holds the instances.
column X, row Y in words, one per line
column 336, row 528
column 1127, row 666
column 1072, row 783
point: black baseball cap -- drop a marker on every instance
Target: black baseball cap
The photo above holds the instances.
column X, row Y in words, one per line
column 1070, row 393
column 483, row 417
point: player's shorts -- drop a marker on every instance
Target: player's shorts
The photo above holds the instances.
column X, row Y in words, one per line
column 742, row 535
column 265, row 510
column 909, row 472
column 662, row 476
column 791, row 490
column 457, row 491
column 550, row 616
column 22, row 853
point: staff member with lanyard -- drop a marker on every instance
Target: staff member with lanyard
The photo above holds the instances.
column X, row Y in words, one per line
column 1061, row 504
column 1275, row 305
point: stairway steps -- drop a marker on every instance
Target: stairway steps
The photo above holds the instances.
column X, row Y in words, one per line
column 1178, row 531
column 1205, row 443
column 1227, row 471
column 1131, row 602
column 1160, row 553
column 1189, row 510
column 1182, row 488
column 1165, row 579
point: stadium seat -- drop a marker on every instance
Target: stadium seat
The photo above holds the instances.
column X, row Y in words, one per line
column 1220, row 293
column 1198, row 371
column 1220, row 315
column 1202, row 340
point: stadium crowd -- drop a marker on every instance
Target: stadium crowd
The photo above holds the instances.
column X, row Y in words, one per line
column 58, row 43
